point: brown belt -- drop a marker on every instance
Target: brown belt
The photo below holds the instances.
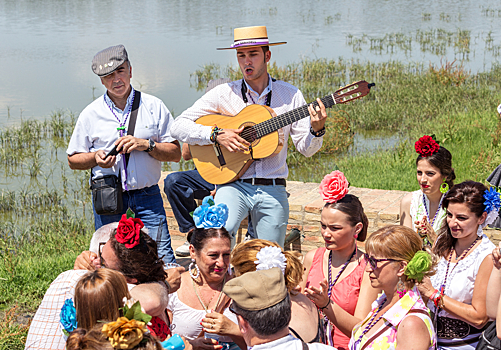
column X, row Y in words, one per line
column 265, row 182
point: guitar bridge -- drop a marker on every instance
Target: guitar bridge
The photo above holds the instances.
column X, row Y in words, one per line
column 219, row 154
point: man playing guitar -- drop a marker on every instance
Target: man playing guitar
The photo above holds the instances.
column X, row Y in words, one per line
column 261, row 188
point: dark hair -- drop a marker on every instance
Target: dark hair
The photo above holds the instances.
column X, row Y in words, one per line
column 265, row 49
column 198, row 236
column 94, row 339
column 442, row 160
column 352, row 207
column 141, row 262
column 268, row 321
column 470, row 193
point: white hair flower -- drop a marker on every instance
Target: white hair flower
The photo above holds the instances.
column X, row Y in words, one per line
column 269, row 257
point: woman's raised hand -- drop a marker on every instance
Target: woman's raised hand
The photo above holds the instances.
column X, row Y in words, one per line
column 496, row 257
column 319, row 296
column 424, row 228
column 217, row 323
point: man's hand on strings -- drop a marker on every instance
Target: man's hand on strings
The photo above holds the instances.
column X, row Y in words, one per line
column 231, row 139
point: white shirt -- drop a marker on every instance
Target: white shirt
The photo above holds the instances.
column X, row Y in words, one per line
column 226, row 99
column 290, row 343
column 96, row 129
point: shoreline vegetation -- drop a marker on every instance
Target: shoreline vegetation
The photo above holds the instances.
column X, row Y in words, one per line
column 47, row 220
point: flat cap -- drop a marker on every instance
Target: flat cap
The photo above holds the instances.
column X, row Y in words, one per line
column 106, row 61
column 257, row 290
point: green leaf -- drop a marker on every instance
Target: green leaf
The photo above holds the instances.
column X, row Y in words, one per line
column 135, row 313
column 191, row 213
column 130, row 213
column 211, row 202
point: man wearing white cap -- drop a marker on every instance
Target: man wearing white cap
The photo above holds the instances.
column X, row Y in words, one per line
column 138, row 125
column 261, row 189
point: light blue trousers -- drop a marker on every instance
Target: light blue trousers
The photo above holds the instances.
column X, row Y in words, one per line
column 268, row 205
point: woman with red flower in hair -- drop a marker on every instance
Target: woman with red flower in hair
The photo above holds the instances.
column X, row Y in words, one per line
column 422, row 210
column 335, row 278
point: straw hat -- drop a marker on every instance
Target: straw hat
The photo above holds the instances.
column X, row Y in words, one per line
column 250, row 37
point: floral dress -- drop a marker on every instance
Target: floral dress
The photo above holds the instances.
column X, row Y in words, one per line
column 385, row 338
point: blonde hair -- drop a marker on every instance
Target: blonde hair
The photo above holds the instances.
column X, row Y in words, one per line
column 94, row 339
column 99, row 296
column 399, row 243
column 244, row 255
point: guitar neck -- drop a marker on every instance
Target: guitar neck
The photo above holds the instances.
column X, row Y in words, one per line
column 290, row 117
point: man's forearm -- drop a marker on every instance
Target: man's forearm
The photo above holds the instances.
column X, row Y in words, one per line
column 82, row 161
column 167, row 151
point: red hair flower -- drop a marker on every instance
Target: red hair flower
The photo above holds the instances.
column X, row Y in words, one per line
column 128, row 231
column 334, row 187
column 426, row 146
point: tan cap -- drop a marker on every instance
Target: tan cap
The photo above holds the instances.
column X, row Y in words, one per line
column 250, row 37
column 257, row 290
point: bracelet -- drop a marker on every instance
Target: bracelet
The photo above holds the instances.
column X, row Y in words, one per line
column 327, row 305
column 168, row 286
column 213, row 134
column 432, row 297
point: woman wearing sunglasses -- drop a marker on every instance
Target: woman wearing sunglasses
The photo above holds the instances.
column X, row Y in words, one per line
column 399, row 318
column 422, row 210
column 457, row 293
column 334, row 277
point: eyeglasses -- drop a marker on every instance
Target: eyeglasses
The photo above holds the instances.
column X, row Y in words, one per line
column 101, row 260
column 373, row 261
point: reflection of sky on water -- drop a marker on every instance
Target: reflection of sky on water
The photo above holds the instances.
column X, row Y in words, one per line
column 47, row 46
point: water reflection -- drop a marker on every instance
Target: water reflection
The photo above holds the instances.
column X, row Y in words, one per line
column 47, row 46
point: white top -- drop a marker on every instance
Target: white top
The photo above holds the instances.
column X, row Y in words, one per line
column 289, row 343
column 417, row 211
column 186, row 320
column 226, row 99
column 96, row 129
column 461, row 280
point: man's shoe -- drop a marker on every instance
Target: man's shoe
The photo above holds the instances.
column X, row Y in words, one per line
column 184, row 250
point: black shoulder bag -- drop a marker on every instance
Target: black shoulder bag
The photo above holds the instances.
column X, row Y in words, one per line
column 488, row 339
column 107, row 189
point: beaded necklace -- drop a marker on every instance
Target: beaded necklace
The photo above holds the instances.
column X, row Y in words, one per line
column 331, row 284
column 442, row 287
column 436, row 213
column 121, row 130
column 200, row 299
column 372, row 322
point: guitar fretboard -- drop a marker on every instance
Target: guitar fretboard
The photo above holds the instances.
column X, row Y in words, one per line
column 274, row 124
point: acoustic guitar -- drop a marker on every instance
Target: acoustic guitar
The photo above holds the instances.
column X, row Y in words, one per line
column 262, row 129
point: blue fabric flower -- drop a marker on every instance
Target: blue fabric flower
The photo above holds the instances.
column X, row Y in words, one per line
column 199, row 214
column 216, row 216
column 209, row 215
column 68, row 316
column 492, row 200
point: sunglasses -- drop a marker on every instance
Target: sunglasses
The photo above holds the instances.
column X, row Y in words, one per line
column 101, row 260
column 373, row 261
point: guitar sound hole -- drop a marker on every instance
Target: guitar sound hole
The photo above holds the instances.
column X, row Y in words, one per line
column 249, row 134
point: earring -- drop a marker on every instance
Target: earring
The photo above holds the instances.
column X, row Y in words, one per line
column 401, row 288
column 191, row 268
column 444, row 187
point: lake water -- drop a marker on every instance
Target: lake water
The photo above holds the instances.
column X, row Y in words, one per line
column 46, row 47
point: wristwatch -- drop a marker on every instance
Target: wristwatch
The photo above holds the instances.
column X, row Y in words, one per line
column 151, row 146
column 318, row 133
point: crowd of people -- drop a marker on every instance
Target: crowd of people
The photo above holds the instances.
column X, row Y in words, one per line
column 434, row 281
